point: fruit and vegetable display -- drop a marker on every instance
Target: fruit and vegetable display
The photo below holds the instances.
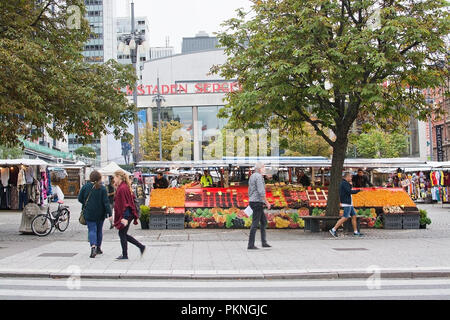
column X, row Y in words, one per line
column 381, row 198
column 392, row 210
column 369, row 217
column 318, row 212
column 173, row 197
column 235, row 218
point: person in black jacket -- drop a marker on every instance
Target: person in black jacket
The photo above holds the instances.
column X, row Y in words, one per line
column 303, row 179
column 345, row 195
column 360, row 180
column 160, row 182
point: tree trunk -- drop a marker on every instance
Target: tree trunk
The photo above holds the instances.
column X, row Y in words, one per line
column 337, row 165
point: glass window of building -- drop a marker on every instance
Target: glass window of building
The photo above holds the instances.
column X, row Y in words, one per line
column 179, row 114
column 209, row 124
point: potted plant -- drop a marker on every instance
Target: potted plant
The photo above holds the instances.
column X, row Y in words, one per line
column 424, row 220
column 145, row 217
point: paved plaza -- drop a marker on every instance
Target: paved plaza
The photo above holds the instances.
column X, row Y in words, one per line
column 222, row 253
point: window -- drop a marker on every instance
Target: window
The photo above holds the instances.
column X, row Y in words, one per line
column 210, row 125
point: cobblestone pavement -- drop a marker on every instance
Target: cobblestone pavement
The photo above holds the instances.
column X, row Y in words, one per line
column 10, row 222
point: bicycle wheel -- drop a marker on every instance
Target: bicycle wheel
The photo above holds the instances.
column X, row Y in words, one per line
column 63, row 220
column 41, row 225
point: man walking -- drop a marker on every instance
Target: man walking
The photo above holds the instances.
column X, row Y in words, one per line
column 257, row 198
column 345, row 194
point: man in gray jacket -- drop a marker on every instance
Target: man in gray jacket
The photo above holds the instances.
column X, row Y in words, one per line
column 257, row 198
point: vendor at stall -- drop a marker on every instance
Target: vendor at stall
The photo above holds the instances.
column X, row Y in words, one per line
column 360, row 180
column 160, row 182
column 303, row 179
column 206, row 180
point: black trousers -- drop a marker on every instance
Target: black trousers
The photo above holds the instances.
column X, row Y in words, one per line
column 125, row 238
column 258, row 217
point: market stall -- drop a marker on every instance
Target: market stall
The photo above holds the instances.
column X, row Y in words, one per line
column 69, row 178
column 23, row 181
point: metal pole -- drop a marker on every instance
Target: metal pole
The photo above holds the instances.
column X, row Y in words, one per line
column 431, row 138
column 134, row 60
column 158, row 104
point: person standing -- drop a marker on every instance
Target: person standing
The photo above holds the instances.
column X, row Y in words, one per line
column 111, row 192
column 206, row 180
column 125, row 213
column 160, row 182
column 257, row 198
column 345, row 195
column 94, row 198
column 303, row 179
column 360, row 180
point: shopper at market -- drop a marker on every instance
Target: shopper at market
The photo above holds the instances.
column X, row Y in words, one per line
column 111, row 192
column 160, row 182
column 303, row 179
column 345, row 195
column 94, row 198
column 206, row 179
column 360, row 180
column 125, row 213
column 257, row 198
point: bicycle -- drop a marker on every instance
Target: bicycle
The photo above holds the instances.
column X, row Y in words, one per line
column 43, row 224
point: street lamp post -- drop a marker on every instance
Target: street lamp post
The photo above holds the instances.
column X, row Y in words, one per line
column 134, row 40
column 159, row 98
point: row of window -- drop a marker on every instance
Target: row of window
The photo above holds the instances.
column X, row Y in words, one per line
column 93, row 59
column 95, row 47
column 96, row 13
column 93, row 2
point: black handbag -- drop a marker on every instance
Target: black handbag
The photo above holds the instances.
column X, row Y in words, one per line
column 81, row 219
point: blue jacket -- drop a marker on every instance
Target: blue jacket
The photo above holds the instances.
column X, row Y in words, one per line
column 345, row 192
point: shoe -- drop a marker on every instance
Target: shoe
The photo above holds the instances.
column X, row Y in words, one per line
column 121, row 258
column 266, row 245
column 99, row 251
column 252, row 248
column 143, row 250
column 359, row 234
column 93, row 252
column 333, row 233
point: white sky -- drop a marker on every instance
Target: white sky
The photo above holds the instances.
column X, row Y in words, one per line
column 182, row 18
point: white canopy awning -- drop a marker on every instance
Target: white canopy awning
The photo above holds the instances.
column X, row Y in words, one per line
column 25, row 162
column 111, row 168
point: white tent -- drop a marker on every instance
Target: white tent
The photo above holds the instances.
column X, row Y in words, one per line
column 25, row 162
column 111, row 168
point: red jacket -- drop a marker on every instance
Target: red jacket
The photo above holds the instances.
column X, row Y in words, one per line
column 123, row 199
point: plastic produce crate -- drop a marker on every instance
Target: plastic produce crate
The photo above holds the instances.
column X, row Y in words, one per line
column 411, row 221
column 175, row 219
column 157, row 226
column 393, row 221
column 157, row 219
column 175, row 226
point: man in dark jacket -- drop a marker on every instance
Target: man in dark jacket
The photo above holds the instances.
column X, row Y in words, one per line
column 160, row 182
column 303, row 179
column 345, row 195
column 360, row 180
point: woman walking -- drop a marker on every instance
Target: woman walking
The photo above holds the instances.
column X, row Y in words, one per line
column 125, row 212
column 94, row 198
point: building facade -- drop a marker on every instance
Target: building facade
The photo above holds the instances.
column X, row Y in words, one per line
column 161, row 52
column 201, row 42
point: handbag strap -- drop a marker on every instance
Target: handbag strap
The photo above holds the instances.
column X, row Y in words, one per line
column 88, row 198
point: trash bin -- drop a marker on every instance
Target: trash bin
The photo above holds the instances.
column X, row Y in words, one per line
column 30, row 211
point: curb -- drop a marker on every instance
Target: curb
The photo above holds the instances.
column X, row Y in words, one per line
column 260, row 276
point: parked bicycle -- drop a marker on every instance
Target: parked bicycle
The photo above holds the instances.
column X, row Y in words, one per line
column 43, row 224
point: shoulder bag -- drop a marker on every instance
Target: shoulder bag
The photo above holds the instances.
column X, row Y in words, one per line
column 82, row 220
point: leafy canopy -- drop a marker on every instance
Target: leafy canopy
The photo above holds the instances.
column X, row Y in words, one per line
column 44, row 81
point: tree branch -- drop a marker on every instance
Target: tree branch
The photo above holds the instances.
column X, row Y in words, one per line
column 40, row 14
column 314, row 124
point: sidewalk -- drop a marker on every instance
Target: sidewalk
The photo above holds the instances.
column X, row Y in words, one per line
column 315, row 259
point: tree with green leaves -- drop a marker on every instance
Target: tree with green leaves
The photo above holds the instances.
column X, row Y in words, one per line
column 44, row 81
column 149, row 141
column 86, row 151
column 379, row 144
column 305, row 143
column 326, row 62
column 10, row 152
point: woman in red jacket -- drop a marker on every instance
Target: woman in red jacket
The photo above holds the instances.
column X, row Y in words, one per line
column 125, row 212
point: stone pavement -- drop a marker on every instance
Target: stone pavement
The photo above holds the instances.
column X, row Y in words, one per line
column 220, row 253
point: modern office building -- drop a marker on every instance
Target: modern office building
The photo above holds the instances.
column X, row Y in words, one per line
column 161, row 52
column 101, row 47
column 201, row 42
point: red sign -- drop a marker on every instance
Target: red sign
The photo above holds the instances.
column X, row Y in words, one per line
column 186, row 88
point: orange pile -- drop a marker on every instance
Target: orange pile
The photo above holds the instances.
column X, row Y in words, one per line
column 173, row 197
column 380, row 198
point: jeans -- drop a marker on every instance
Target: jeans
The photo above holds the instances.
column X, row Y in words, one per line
column 258, row 217
column 125, row 238
column 95, row 229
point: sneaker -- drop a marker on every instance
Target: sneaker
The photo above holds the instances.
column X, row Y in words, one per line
column 333, row 233
column 358, row 234
column 93, row 252
column 252, row 248
column 143, row 250
column 266, row 245
column 121, row 258
column 99, row 251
